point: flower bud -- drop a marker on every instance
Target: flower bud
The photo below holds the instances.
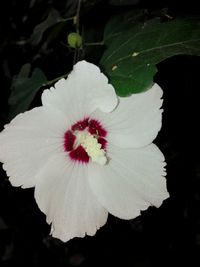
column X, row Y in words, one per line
column 74, row 40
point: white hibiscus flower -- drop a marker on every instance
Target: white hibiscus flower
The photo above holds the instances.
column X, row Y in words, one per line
column 87, row 152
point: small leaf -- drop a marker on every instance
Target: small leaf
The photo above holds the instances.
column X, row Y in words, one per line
column 52, row 18
column 135, row 46
column 24, row 89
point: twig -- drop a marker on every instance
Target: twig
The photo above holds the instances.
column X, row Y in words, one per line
column 77, row 22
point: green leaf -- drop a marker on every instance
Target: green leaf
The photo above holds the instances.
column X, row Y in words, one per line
column 135, row 46
column 24, row 89
column 52, row 19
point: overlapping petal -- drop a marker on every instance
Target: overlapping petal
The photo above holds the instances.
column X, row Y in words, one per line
column 28, row 142
column 85, row 90
column 136, row 120
column 131, row 181
column 64, row 195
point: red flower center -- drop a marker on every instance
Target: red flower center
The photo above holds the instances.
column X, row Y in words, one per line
column 76, row 151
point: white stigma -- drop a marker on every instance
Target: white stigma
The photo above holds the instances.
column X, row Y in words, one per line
column 91, row 146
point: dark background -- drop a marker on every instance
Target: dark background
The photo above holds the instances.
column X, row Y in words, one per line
column 168, row 236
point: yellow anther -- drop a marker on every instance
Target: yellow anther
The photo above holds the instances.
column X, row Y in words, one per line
column 91, row 146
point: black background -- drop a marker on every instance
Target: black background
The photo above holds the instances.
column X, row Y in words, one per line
column 168, row 236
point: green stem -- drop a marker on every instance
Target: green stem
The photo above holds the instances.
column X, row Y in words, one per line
column 67, row 19
column 94, row 43
column 76, row 52
column 78, row 16
column 54, row 80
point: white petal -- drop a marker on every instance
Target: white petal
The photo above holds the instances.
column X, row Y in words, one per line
column 136, row 120
column 28, row 142
column 85, row 90
column 64, row 195
column 131, row 181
